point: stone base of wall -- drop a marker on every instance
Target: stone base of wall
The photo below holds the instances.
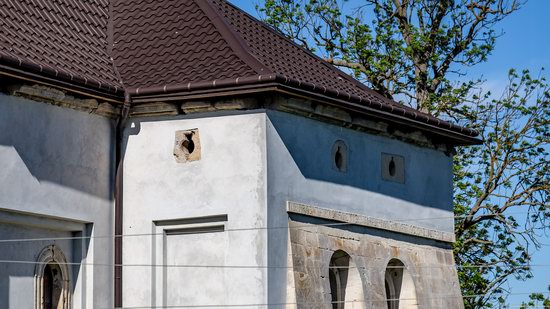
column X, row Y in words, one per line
column 312, row 245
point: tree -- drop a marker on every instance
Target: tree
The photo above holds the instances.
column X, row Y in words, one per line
column 415, row 51
column 502, row 187
column 404, row 48
column 537, row 300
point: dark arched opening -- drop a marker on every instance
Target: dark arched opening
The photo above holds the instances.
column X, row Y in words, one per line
column 399, row 285
column 52, row 286
column 338, row 276
column 346, row 288
column 51, row 280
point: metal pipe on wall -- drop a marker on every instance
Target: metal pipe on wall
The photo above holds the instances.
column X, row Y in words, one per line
column 119, row 159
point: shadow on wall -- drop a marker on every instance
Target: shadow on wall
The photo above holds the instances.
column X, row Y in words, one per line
column 58, row 145
column 20, row 282
column 333, row 154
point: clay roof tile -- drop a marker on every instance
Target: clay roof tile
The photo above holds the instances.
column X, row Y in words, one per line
column 171, row 45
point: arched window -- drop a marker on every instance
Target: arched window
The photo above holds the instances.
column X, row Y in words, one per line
column 400, row 289
column 52, row 283
column 346, row 287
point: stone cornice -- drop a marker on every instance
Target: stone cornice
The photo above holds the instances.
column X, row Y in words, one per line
column 371, row 222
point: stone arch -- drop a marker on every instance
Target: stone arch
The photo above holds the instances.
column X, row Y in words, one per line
column 346, row 287
column 51, row 280
column 399, row 286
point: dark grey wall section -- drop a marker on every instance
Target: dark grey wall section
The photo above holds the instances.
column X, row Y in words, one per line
column 428, row 173
column 59, row 145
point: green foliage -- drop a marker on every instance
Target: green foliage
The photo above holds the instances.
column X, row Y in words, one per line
column 414, row 51
column 502, row 187
column 405, row 49
column 537, row 300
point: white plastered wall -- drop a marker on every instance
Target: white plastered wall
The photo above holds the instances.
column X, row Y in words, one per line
column 229, row 179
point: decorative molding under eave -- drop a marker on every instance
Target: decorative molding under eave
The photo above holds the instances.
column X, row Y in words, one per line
column 361, row 220
column 57, row 97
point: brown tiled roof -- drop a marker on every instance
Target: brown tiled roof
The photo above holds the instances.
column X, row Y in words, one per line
column 160, row 46
column 170, row 42
column 63, row 38
column 284, row 57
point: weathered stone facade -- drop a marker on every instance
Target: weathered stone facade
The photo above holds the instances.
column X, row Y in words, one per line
column 312, row 245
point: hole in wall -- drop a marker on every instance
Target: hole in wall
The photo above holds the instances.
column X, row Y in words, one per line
column 346, row 286
column 391, row 167
column 338, row 159
column 52, row 287
column 187, row 144
column 51, row 280
column 340, row 156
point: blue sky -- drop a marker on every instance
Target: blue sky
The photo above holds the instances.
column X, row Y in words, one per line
column 525, row 44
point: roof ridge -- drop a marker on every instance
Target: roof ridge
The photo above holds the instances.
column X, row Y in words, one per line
column 233, row 39
column 110, row 42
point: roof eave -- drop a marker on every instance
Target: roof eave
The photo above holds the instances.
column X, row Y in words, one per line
column 26, row 70
column 278, row 83
column 454, row 138
column 242, row 85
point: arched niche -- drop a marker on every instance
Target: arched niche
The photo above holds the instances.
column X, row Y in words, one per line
column 51, row 280
column 399, row 286
column 346, row 287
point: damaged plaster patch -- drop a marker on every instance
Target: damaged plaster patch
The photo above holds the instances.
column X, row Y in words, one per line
column 53, row 96
column 187, row 146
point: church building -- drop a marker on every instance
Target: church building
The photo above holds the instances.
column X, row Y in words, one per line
column 181, row 153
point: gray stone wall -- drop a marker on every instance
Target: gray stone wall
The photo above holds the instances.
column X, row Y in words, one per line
column 311, row 248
